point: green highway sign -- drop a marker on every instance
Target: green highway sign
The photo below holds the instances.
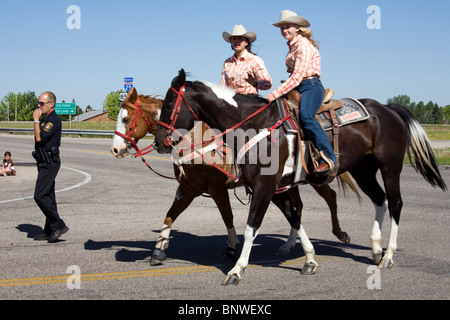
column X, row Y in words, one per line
column 65, row 108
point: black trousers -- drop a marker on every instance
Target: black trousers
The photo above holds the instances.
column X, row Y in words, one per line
column 44, row 195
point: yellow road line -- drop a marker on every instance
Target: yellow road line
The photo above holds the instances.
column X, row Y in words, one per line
column 137, row 273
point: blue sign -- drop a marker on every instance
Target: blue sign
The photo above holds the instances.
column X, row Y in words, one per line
column 129, row 79
column 127, row 86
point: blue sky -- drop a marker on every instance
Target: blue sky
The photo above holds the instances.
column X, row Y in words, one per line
column 151, row 40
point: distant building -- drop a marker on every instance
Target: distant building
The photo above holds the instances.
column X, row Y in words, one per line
column 94, row 115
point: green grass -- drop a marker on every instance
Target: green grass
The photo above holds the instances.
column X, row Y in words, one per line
column 442, row 157
column 437, row 131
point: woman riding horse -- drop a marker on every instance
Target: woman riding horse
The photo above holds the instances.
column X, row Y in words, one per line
column 303, row 63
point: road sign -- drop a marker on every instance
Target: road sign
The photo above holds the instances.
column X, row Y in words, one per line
column 65, row 108
column 127, row 86
column 129, row 79
column 122, row 96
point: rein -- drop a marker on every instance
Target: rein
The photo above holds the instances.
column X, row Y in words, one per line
column 168, row 140
column 129, row 138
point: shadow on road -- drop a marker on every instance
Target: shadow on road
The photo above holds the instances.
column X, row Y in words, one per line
column 209, row 250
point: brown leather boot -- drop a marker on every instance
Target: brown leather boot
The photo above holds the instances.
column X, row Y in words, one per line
column 322, row 168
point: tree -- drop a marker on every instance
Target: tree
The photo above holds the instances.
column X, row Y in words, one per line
column 403, row 100
column 437, row 114
column 112, row 104
column 446, row 111
column 21, row 106
column 421, row 112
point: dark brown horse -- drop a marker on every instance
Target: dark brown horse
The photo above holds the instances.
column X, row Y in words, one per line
column 139, row 115
column 376, row 144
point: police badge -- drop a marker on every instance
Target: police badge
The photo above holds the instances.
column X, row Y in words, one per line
column 48, row 126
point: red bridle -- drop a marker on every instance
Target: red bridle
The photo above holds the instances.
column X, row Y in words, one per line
column 168, row 141
column 129, row 136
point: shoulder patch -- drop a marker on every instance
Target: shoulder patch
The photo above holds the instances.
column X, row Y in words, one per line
column 48, row 126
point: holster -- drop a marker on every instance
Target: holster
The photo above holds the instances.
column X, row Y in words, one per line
column 43, row 156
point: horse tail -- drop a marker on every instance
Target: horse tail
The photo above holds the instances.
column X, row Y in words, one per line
column 344, row 181
column 419, row 144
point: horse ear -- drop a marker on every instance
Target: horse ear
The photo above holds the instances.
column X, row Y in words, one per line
column 132, row 95
column 180, row 80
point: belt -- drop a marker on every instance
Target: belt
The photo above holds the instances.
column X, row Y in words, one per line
column 311, row 77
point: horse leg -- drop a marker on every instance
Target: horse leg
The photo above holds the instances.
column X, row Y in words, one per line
column 392, row 186
column 365, row 176
column 292, row 213
column 219, row 193
column 291, row 205
column 183, row 198
column 258, row 207
column 329, row 195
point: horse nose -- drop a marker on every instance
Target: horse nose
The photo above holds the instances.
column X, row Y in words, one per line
column 115, row 152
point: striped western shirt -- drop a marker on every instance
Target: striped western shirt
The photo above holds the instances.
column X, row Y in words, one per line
column 302, row 60
column 243, row 73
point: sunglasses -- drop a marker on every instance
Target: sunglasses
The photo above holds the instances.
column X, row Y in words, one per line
column 40, row 104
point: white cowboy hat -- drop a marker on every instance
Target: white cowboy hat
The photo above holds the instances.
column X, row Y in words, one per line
column 288, row 16
column 239, row 31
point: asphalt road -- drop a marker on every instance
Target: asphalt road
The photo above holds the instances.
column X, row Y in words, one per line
column 115, row 208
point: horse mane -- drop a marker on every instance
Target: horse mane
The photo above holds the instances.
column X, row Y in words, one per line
column 149, row 98
column 239, row 96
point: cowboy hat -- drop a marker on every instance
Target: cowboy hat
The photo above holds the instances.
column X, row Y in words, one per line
column 239, row 31
column 288, row 16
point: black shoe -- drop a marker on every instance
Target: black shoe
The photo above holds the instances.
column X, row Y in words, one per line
column 42, row 236
column 56, row 234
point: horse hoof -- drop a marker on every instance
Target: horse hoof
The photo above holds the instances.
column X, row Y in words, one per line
column 157, row 258
column 309, row 269
column 345, row 238
column 386, row 263
column 231, row 280
column 377, row 258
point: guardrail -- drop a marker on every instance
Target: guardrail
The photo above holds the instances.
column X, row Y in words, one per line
column 76, row 132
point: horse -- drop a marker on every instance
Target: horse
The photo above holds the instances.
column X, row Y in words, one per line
column 139, row 115
column 375, row 144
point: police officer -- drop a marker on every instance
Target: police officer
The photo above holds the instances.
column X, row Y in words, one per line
column 47, row 135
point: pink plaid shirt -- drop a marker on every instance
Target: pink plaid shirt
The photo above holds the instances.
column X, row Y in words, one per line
column 302, row 60
column 237, row 71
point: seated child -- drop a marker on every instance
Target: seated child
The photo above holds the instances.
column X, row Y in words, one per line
column 8, row 166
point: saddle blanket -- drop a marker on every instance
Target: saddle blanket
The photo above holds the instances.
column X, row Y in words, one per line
column 351, row 111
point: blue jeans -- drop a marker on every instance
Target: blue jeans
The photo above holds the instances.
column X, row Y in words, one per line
column 312, row 96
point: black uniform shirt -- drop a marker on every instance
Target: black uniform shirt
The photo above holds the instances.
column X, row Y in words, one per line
column 51, row 127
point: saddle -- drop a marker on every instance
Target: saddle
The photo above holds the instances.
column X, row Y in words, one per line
column 292, row 103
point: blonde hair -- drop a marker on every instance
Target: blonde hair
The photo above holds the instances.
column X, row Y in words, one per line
column 307, row 33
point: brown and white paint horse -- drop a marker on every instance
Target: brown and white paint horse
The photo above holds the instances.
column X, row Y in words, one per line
column 139, row 115
column 377, row 144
